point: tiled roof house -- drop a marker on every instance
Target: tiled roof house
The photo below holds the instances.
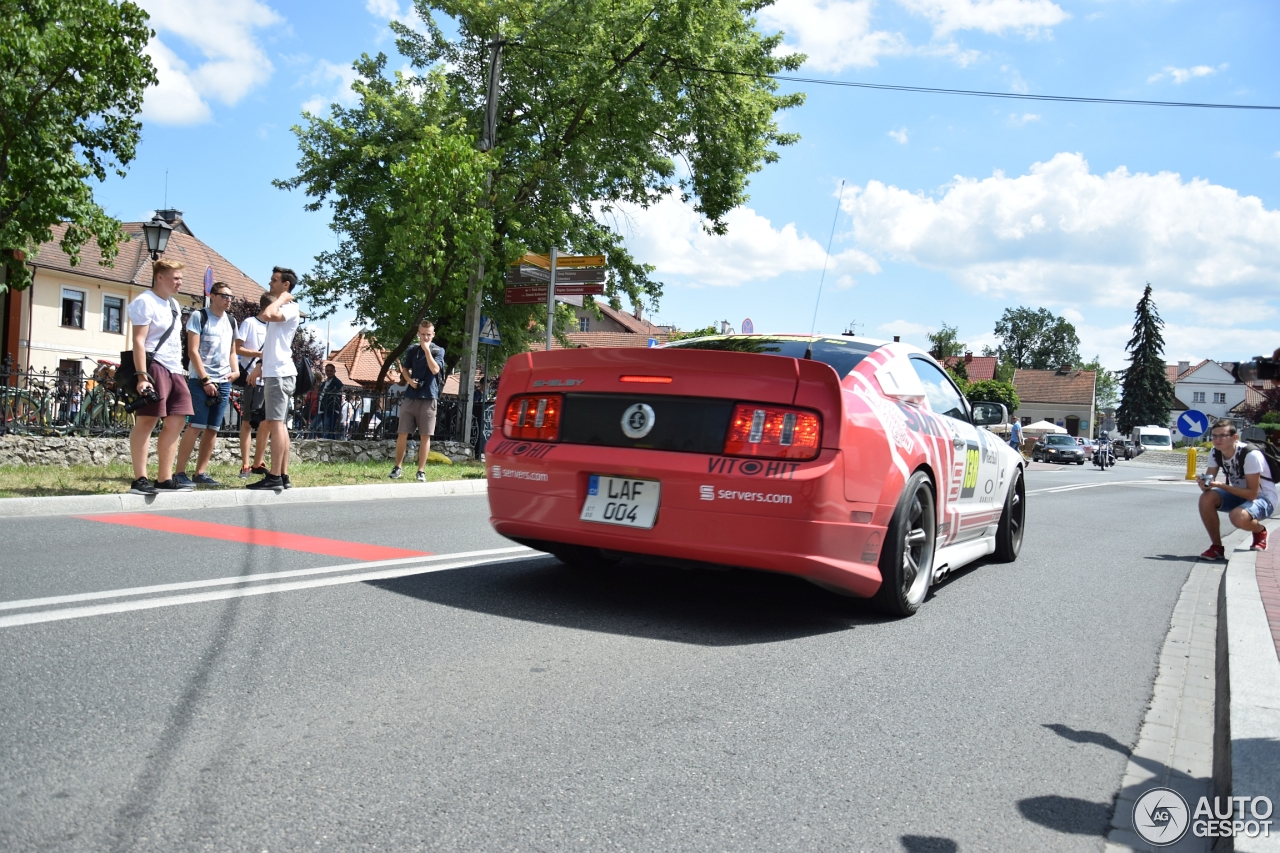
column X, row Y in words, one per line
column 1064, row 397
column 977, row 367
column 70, row 312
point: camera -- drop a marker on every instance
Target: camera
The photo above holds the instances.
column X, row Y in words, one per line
column 144, row 398
column 1258, row 369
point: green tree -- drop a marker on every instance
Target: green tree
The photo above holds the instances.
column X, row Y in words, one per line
column 72, row 76
column 705, row 331
column 1148, row 393
column 1106, row 387
column 945, row 343
column 406, row 189
column 993, row 391
column 1036, row 339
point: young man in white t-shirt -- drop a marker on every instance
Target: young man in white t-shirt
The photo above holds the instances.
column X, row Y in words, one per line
column 157, row 329
column 249, row 348
column 211, row 334
column 1248, row 495
column 279, row 374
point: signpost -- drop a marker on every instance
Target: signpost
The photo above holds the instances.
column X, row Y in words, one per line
column 535, row 279
column 1193, row 424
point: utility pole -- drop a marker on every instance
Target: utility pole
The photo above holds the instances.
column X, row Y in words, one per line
column 551, row 300
column 475, row 289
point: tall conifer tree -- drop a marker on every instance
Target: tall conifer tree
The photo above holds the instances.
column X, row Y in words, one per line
column 1148, row 393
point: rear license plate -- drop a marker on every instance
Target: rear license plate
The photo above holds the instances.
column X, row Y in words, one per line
column 622, row 501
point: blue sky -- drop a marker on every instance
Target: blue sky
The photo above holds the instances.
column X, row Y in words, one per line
column 953, row 208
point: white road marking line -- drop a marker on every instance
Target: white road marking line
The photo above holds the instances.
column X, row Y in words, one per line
column 242, row 592
column 293, row 573
column 1077, row 486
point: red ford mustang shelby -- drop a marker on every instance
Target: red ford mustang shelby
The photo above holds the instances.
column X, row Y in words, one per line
column 852, row 463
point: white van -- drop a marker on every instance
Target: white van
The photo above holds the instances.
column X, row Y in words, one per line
column 1151, row 438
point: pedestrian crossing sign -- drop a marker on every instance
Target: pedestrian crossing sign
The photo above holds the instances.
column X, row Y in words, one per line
column 489, row 333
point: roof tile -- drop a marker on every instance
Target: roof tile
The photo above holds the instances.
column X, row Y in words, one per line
column 1073, row 388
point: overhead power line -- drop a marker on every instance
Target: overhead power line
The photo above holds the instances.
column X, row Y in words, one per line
column 928, row 90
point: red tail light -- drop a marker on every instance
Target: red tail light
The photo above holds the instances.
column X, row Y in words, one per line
column 533, row 417
column 773, row 431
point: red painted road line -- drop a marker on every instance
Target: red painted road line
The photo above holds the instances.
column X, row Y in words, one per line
column 252, row 536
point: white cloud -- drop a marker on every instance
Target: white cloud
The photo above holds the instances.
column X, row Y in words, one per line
column 342, row 93
column 1028, row 17
column 1061, row 234
column 835, row 34
column 899, row 136
column 1182, row 75
column 223, row 32
column 669, row 235
column 391, row 11
column 1020, row 120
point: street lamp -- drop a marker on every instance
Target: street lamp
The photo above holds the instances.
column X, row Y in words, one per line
column 157, row 233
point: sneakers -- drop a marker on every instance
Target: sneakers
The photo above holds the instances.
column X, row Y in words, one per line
column 1259, row 541
column 396, row 473
column 260, row 470
column 285, row 479
column 268, row 482
column 142, row 486
column 245, row 472
column 204, row 480
column 422, row 477
column 173, row 485
column 184, row 482
column 1216, row 552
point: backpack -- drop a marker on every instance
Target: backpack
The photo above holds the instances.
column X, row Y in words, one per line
column 304, row 382
column 204, row 322
column 1269, row 452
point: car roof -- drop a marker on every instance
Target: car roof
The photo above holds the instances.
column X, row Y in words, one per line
column 872, row 342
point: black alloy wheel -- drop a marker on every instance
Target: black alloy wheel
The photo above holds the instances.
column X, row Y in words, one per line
column 906, row 562
column 1009, row 533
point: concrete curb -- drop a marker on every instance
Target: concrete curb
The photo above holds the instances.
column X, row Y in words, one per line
column 1248, row 760
column 214, row 498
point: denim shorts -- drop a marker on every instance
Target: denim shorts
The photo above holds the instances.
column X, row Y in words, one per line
column 1259, row 507
column 204, row 416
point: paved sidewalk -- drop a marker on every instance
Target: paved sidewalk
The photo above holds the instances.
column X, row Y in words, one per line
column 1175, row 745
column 203, row 499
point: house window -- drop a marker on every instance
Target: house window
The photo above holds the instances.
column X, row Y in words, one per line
column 1219, row 398
column 1197, row 396
column 112, row 314
column 584, row 325
column 73, row 308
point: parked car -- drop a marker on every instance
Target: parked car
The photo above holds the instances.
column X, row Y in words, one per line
column 852, row 463
column 1058, row 448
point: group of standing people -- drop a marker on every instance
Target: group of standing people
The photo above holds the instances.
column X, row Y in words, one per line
column 219, row 353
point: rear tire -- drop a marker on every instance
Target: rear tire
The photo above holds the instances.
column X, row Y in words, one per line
column 906, row 562
column 1012, row 520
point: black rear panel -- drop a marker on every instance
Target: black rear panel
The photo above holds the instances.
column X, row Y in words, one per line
column 687, row 424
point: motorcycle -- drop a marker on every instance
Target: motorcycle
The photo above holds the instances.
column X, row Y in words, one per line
column 1103, row 456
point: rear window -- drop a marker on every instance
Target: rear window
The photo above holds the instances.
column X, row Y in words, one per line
column 842, row 355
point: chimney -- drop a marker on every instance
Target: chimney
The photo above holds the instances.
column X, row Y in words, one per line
column 968, row 358
column 170, row 215
column 638, row 312
column 1183, row 367
column 897, row 339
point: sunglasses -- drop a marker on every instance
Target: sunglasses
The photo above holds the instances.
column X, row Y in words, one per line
column 222, row 294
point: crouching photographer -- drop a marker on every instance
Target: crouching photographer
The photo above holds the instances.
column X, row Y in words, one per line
column 1248, row 496
column 160, row 384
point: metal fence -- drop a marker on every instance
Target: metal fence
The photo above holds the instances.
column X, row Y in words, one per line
column 75, row 402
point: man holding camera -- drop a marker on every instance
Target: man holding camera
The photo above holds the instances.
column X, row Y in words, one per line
column 211, row 334
column 155, row 317
column 1248, row 495
column 420, row 368
column 279, row 374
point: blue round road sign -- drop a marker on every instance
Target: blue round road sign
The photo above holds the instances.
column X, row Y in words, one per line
column 1193, row 424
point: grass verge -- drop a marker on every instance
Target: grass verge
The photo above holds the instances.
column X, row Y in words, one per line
column 24, row 481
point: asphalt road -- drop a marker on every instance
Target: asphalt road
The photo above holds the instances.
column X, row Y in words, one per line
column 519, row 705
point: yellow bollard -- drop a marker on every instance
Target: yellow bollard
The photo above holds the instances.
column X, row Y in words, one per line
column 1191, row 463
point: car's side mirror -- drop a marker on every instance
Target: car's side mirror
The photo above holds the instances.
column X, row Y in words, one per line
column 990, row 414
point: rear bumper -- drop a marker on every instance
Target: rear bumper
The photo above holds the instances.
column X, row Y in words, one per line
column 795, row 522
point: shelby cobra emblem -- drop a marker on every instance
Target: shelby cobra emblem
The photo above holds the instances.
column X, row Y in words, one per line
column 637, row 420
